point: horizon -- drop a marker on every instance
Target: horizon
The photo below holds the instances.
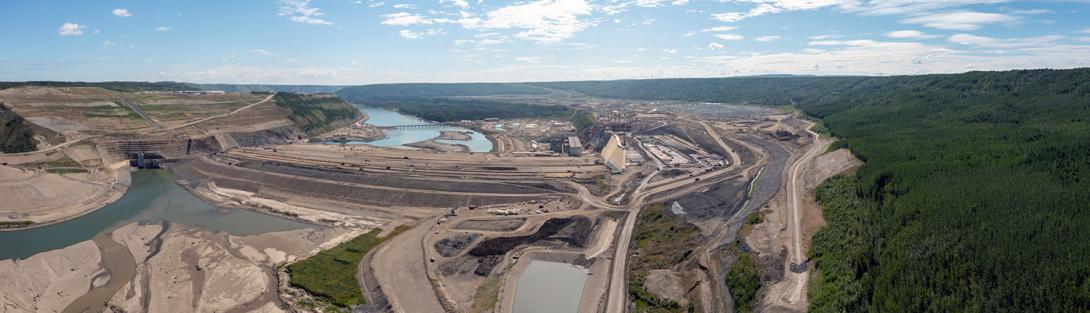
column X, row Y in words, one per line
column 531, row 82
column 362, row 42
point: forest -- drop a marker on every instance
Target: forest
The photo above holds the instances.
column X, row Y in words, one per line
column 448, row 110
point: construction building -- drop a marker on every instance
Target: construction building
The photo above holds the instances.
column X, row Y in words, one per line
column 614, row 154
column 575, row 147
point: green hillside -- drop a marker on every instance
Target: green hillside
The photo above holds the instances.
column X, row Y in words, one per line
column 317, row 113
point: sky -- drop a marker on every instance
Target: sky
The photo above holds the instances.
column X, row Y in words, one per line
column 348, row 42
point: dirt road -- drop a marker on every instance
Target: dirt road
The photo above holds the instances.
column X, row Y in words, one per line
column 267, row 99
column 400, row 268
column 796, row 191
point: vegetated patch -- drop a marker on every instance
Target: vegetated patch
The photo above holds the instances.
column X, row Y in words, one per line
column 487, row 295
column 572, row 231
column 452, row 245
column 317, row 113
column 16, row 134
column 53, row 162
column 744, row 277
column 15, row 224
column 662, row 241
column 330, row 275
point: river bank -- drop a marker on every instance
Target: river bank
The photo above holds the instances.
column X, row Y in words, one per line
column 37, row 198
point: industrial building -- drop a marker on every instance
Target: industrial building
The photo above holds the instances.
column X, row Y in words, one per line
column 575, row 147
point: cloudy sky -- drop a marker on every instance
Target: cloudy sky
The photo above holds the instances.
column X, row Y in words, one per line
column 377, row 41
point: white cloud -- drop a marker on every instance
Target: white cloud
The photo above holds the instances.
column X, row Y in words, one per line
column 531, row 60
column 416, row 35
column 262, row 52
column 163, row 29
column 71, row 29
column 719, row 29
column 962, row 20
column 404, row 6
column 122, row 12
column 1032, row 12
column 669, row 51
column 998, row 43
column 458, row 3
column 405, row 19
column 1084, row 31
column 300, row 11
column 909, row 34
column 862, row 7
column 483, row 39
column 729, row 36
column 715, row 46
column 768, row 38
column 542, row 21
column 824, row 37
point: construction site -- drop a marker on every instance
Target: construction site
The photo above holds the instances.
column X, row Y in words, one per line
column 644, row 207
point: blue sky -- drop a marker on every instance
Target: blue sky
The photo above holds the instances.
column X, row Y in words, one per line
column 379, row 41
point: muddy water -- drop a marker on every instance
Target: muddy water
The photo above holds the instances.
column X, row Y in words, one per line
column 121, row 266
column 153, row 197
column 549, row 287
column 397, row 138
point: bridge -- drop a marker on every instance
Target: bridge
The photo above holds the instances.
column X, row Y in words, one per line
column 418, row 126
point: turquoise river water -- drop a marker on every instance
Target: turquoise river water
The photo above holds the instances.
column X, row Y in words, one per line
column 153, row 197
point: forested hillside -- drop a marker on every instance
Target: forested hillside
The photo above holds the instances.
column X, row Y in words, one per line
column 16, row 134
column 271, row 88
column 452, row 102
column 394, row 92
column 975, row 196
column 318, row 113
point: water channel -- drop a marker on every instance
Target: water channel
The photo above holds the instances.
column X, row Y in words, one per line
column 153, row 197
column 549, row 287
column 398, row 138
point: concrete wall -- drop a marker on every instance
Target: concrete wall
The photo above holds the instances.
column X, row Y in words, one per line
column 614, row 154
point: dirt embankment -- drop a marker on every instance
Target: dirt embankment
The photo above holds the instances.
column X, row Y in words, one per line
column 187, row 269
column 439, row 146
column 38, row 196
column 48, row 281
column 454, row 135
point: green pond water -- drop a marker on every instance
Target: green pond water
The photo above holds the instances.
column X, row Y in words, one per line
column 153, row 197
column 549, row 287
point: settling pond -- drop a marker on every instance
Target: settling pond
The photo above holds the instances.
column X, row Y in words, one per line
column 549, row 287
column 153, row 197
column 398, row 138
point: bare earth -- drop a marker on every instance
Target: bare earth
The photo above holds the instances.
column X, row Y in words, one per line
column 48, row 281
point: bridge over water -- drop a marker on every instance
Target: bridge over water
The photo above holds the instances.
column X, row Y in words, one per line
column 417, row 126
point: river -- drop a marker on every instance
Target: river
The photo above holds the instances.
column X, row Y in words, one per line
column 152, row 197
column 398, row 138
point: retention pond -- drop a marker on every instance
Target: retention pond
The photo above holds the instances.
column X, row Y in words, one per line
column 549, row 287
